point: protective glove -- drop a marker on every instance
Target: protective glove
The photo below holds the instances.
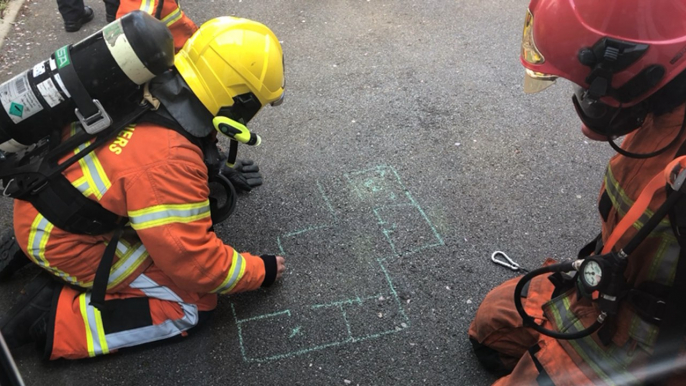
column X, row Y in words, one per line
column 244, row 176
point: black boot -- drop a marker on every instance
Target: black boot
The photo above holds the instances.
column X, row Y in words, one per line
column 28, row 319
column 11, row 256
column 75, row 25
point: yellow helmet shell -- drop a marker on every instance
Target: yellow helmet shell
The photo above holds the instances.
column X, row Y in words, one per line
column 230, row 56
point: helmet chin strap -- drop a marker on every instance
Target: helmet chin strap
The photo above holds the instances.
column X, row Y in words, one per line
column 652, row 154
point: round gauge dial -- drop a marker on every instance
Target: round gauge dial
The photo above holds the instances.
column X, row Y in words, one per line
column 592, row 273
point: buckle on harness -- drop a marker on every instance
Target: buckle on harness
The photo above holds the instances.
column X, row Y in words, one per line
column 96, row 122
column 648, row 307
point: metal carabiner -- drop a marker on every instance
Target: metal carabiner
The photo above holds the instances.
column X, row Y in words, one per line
column 509, row 263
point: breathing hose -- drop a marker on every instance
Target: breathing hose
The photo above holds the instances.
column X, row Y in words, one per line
column 530, row 322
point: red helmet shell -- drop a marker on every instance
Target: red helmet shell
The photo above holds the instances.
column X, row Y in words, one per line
column 561, row 28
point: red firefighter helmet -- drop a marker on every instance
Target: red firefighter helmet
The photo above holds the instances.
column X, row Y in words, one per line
column 618, row 53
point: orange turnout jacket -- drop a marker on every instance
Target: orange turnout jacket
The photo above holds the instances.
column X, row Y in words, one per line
column 157, row 178
column 178, row 23
column 497, row 328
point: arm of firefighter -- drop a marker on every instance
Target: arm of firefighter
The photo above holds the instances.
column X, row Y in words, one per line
column 168, row 207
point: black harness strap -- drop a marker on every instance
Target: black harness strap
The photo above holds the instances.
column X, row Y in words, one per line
column 673, row 321
column 102, row 274
column 66, row 208
column 78, row 92
column 158, row 10
column 671, row 335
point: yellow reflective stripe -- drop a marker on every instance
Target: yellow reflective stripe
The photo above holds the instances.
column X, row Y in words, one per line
column 82, row 185
column 235, row 274
column 95, row 175
column 84, row 314
column 36, row 248
column 623, row 203
column 130, row 260
column 173, row 17
column 147, row 6
column 92, row 170
column 101, row 330
column 39, row 234
column 92, row 320
column 166, row 214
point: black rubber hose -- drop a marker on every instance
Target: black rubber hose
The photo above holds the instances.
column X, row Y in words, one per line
column 530, row 322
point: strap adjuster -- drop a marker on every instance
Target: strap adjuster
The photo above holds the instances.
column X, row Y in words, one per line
column 96, row 122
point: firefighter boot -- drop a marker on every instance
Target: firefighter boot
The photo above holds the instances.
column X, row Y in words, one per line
column 75, row 25
column 28, row 319
column 11, row 256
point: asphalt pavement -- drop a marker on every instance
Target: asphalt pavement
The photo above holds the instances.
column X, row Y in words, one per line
column 404, row 155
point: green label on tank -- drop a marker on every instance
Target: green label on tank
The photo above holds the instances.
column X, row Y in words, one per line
column 17, row 109
column 112, row 31
column 62, row 57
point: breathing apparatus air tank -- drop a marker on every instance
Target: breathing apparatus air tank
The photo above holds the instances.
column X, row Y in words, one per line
column 88, row 81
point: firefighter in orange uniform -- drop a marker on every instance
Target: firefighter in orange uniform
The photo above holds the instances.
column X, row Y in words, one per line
column 168, row 266
column 168, row 11
column 619, row 319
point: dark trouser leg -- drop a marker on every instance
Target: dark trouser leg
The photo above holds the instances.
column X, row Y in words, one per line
column 111, row 7
column 71, row 10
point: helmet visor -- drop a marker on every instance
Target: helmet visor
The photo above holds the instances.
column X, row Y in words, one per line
column 537, row 81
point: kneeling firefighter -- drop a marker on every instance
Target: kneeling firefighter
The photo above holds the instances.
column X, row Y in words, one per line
column 617, row 314
column 116, row 207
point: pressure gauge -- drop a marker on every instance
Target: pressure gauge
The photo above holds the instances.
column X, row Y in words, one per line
column 591, row 274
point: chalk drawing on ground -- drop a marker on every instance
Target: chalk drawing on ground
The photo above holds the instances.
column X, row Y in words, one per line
column 371, row 218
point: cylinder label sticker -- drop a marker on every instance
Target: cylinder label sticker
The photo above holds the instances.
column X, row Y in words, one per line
column 39, row 69
column 50, row 93
column 18, row 99
column 112, row 32
column 62, row 57
column 64, row 89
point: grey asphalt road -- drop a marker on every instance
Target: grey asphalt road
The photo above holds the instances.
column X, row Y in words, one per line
column 404, row 155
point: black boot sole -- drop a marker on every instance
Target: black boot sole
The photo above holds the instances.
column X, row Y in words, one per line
column 35, row 302
column 74, row 26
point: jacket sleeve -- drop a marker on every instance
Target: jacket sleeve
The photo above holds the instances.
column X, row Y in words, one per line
column 168, row 207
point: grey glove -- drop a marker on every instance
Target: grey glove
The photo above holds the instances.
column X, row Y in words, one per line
column 244, row 176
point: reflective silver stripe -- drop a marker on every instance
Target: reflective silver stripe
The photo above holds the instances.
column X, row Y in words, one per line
column 623, row 203
column 155, row 332
column 664, row 261
column 38, row 239
column 167, row 214
column 133, row 257
column 94, row 327
column 611, row 368
column 173, row 17
column 93, row 171
column 234, row 275
column 147, row 6
column 82, row 185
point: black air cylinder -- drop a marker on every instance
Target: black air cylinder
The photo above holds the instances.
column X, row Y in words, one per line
column 86, row 81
